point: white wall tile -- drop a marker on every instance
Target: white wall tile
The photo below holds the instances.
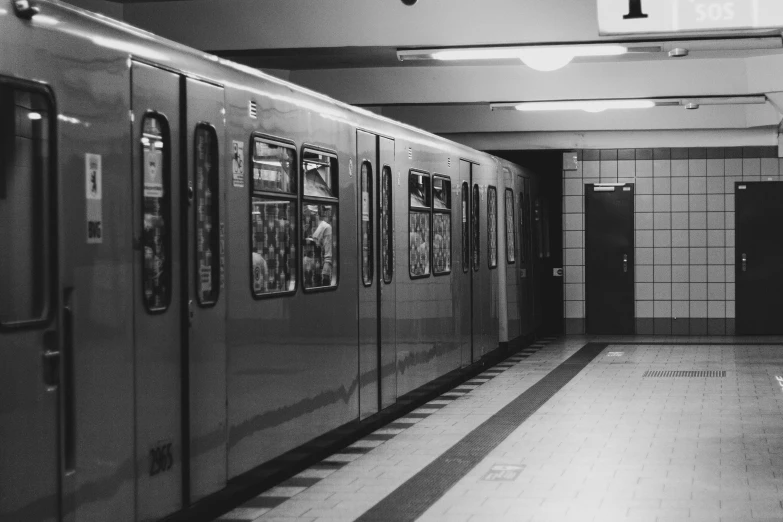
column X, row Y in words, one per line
column 644, row 309
column 716, row 167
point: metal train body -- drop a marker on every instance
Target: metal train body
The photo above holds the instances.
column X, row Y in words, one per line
column 144, row 361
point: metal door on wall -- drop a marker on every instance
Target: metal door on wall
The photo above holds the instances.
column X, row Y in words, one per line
column 158, row 306
column 759, row 258
column 33, row 328
column 609, row 258
column 377, row 300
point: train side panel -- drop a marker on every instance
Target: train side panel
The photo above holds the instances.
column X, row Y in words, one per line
column 292, row 359
column 90, row 85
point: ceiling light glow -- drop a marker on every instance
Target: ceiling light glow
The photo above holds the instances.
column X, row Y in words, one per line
column 588, row 106
column 545, row 58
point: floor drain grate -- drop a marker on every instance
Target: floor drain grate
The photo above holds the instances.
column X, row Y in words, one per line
column 685, row 373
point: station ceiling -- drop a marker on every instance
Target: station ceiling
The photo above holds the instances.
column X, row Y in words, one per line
column 348, row 49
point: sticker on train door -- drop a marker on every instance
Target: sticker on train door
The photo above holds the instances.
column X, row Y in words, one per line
column 153, row 173
column 93, row 185
column 238, row 164
column 365, row 206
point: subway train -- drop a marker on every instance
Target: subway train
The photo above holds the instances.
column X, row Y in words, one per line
column 203, row 267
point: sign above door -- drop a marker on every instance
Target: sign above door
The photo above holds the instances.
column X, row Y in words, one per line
column 645, row 17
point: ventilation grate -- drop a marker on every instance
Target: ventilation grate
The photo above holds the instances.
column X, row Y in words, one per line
column 252, row 109
column 410, row 153
column 685, row 373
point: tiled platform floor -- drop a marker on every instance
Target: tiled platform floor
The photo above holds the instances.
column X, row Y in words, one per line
column 610, row 445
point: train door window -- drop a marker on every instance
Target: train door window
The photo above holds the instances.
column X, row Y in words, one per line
column 538, row 230
column 441, row 225
column 273, row 218
column 320, row 206
column 156, row 235
column 474, row 224
column 524, row 229
column 511, row 236
column 419, row 223
column 387, row 225
column 207, row 231
column 492, row 227
column 545, row 229
column 366, row 177
column 465, row 238
column 26, row 152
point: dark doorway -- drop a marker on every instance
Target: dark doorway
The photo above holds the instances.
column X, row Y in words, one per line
column 545, row 262
column 609, row 258
column 759, row 258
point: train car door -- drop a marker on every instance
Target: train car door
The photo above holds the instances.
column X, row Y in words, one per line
column 204, row 277
column 759, row 256
column 463, row 278
column 524, row 264
column 158, row 313
column 31, row 319
column 609, row 258
column 377, row 299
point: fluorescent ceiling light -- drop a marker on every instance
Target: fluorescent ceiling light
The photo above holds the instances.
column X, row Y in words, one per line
column 588, row 106
column 545, row 58
column 602, row 105
column 34, row 115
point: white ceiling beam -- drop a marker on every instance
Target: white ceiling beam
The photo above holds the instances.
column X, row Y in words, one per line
column 282, row 24
column 479, row 118
column 469, row 84
column 759, row 137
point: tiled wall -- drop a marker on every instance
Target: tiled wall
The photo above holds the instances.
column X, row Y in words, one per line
column 684, row 227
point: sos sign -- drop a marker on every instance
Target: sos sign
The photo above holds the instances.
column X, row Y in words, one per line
column 616, row 17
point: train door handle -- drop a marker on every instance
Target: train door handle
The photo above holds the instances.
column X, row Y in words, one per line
column 744, row 262
column 51, row 361
column 625, row 263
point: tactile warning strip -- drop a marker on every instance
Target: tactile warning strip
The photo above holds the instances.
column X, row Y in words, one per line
column 684, row 373
column 414, row 497
column 277, row 495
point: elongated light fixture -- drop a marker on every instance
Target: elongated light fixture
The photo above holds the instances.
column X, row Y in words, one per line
column 602, row 105
column 541, row 58
column 587, row 106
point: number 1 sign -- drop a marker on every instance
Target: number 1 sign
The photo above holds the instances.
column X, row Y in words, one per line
column 687, row 16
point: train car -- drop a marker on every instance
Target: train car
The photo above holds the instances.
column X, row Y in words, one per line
column 203, row 267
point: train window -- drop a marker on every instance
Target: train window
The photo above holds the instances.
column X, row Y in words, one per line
column 474, row 224
column 545, row 231
column 207, row 231
column 524, row 219
column 538, row 231
column 26, row 151
column 272, row 167
column 511, row 237
column 366, row 178
column 419, row 224
column 441, row 225
column 156, row 240
column 492, row 227
column 465, row 238
column 387, row 225
column 273, row 218
column 319, row 220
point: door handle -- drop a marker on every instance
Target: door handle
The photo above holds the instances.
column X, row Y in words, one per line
column 744, row 262
column 625, row 263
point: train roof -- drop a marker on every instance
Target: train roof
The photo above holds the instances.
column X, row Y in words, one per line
column 106, row 32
